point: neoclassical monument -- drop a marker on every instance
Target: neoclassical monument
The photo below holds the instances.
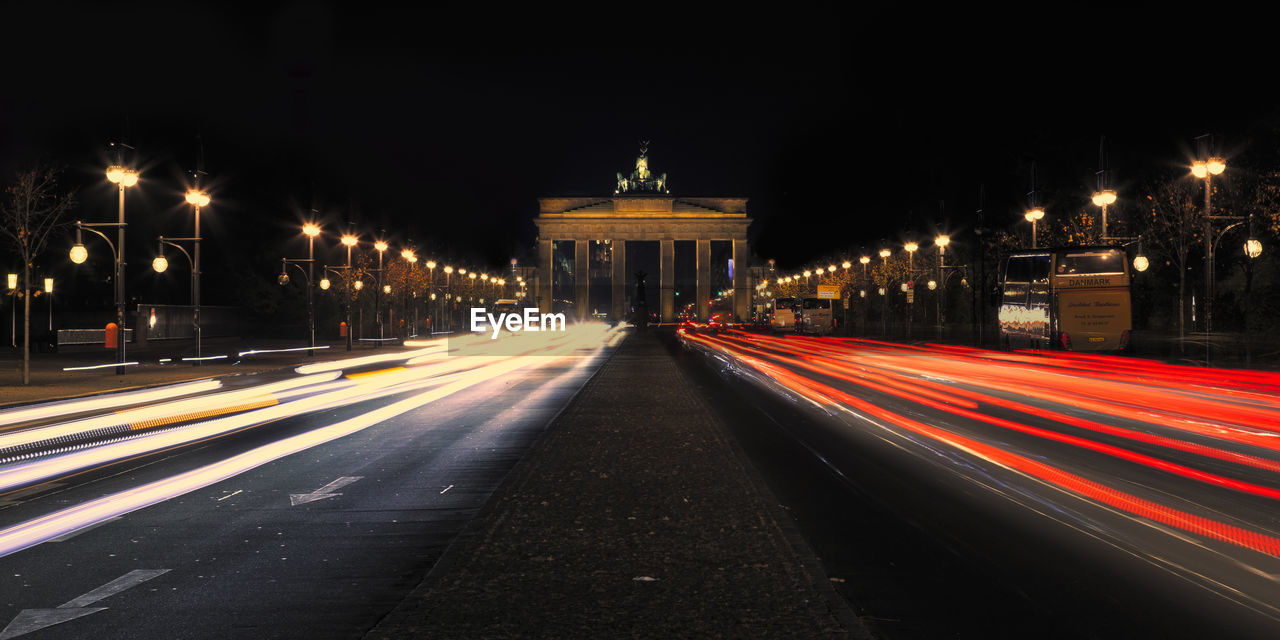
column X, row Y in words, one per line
column 643, row 209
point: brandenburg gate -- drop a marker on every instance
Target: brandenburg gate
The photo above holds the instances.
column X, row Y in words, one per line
column 642, row 209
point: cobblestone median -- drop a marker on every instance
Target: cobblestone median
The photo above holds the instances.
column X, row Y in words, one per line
column 633, row 517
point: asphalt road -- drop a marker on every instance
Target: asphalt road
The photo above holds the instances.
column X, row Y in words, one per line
column 960, row 493
column 319, row 543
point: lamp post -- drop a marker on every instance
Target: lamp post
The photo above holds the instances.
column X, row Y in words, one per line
column 349, row 241
column 941, row 242
column 311, row 230
column 410, row 258
column 123, row 178
column 381, row 247
column 1103, row 196
column 909, row 286
column 431, row 289
column 884, row 307
column 448, row 297
column 1205, row 170
column 13, row 309
column 197, row 199
column 1033, row 216
column 49, row 292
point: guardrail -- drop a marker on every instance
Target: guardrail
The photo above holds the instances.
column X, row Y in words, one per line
column 88, row 336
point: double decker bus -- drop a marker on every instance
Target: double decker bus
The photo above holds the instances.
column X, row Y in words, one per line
column 1073, row 298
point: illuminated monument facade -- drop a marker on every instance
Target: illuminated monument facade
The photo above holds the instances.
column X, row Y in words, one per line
column 642, row 209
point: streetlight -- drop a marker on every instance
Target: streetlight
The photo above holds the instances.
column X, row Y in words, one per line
column 884, row 308
column 1103, row 196
column 1102, row 199
column 410, row 258
column 13, row 309
column 1205, row 170
column 431, row 287
column 1033, row 216
column 448, row 296
column 197, row 199
column 123, row 177
column 349, row 241
column 310, row 230
column 49, row 292
column 941, row 242
column 381, row 247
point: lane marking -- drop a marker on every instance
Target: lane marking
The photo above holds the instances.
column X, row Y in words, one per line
column 12, row 498
column 230, row 494
column 29, row 620
column 447, row 488
column 326, row 491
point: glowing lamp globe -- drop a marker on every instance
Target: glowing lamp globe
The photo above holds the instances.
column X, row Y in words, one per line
column 325, row 284
column 1141, row 263
column 160, row 264
column 79, row 254
column 197, row 198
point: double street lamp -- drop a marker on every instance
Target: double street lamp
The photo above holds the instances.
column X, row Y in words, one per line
column 197, row 199
column 310, row 230
column 123, row 177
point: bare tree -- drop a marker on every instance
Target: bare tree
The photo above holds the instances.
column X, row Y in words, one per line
column 31, row 212
column 1172, row 219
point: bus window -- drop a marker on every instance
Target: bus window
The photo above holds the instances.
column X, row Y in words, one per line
column 1102, row 262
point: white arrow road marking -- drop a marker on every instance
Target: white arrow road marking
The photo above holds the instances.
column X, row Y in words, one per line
column 326, row 491
column 29, row 620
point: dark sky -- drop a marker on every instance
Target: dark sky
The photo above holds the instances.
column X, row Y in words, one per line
column 843, row 125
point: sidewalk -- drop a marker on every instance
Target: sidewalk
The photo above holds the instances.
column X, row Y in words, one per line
column 634, row 516
column 49, row 381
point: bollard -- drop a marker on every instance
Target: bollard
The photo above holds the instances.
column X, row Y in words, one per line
column 110, row 335
column 342, row 329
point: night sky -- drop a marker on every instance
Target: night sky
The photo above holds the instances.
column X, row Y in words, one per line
column 843, row 126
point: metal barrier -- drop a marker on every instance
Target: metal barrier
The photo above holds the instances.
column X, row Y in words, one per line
column 88, row 336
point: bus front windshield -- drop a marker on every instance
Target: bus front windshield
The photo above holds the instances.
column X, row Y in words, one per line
column 1094, row 263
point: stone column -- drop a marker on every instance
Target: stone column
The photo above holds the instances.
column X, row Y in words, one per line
column 741, row 281
column 704, row 278
column 581, row 278
column 542, row 289
column 620, row 279
column 667, row 279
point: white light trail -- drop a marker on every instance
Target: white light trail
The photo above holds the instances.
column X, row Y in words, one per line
column 79, row 405
column 35, row 531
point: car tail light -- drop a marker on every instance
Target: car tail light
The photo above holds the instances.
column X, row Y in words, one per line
column 1066, row 341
